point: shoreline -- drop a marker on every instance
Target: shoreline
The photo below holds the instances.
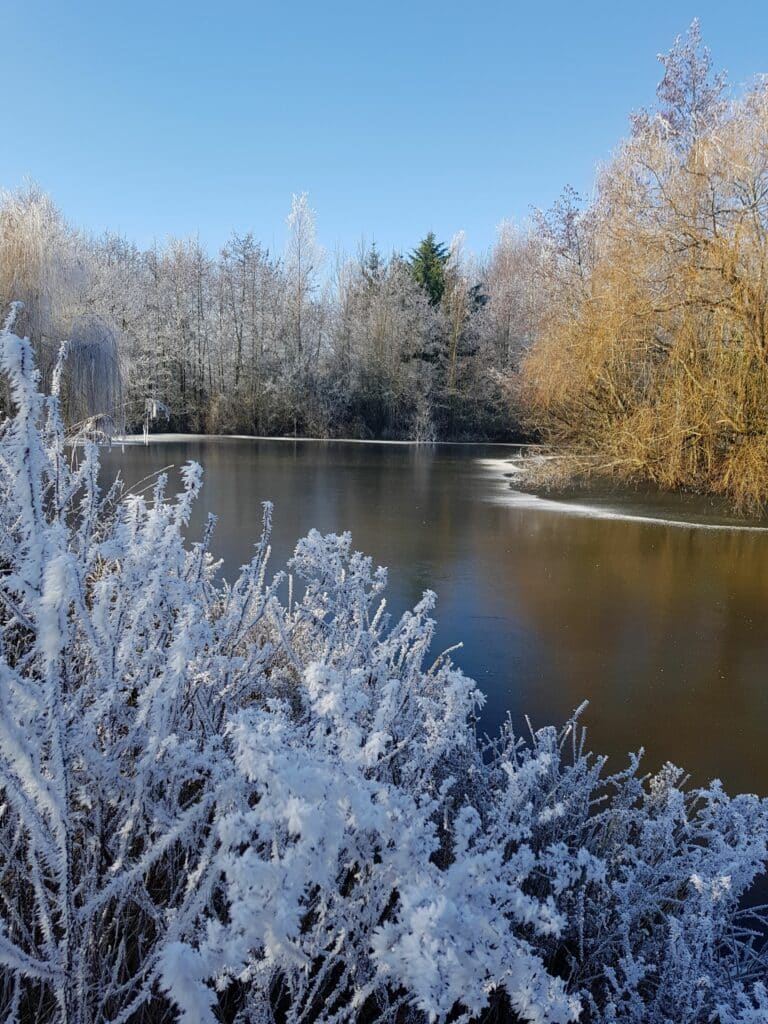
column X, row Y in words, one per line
column 510, row 474
column 138, row 439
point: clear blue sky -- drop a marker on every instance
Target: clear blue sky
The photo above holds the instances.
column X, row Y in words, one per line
column 171, row 118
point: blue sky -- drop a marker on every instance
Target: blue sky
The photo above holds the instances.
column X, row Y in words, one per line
column 171, row 118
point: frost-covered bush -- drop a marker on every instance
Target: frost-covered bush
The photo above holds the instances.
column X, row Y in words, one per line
column 222, row 802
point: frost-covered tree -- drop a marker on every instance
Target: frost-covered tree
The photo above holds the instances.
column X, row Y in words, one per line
column 515, row 284
column 303, row 260
column 39, row 266
column 92, row 379
column 47, row 266
column 691, row 94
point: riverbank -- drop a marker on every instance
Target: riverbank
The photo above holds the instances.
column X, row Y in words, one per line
column 532, row 481
column 170, row 436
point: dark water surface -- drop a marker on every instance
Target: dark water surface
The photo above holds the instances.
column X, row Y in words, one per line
column 662, row 628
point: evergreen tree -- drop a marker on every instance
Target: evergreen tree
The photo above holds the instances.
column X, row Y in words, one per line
column 373, row 265
column 428, row 266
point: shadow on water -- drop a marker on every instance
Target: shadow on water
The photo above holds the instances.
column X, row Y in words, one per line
column 661, row 628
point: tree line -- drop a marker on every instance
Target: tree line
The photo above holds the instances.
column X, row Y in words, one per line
column 411, row 346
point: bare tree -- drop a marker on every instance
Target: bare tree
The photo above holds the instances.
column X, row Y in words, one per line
column 303, row 257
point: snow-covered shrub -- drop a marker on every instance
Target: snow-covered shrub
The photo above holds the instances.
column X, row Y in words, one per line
column 220, row 802
column 647, row 875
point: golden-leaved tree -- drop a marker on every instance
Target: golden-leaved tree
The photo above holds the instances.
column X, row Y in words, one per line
column 652, row 360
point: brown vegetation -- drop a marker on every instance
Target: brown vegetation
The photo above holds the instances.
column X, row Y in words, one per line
column 652, row 360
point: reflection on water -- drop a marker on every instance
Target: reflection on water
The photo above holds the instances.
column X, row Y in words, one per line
column 661, row 628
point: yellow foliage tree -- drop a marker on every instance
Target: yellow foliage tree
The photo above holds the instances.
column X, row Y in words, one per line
column 652, row 362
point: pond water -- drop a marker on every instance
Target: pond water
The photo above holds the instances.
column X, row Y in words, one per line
column 661, row 626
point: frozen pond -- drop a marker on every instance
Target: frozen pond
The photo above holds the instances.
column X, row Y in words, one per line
column 661, row 626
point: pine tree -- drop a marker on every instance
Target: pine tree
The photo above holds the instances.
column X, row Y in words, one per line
column 428, row 266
